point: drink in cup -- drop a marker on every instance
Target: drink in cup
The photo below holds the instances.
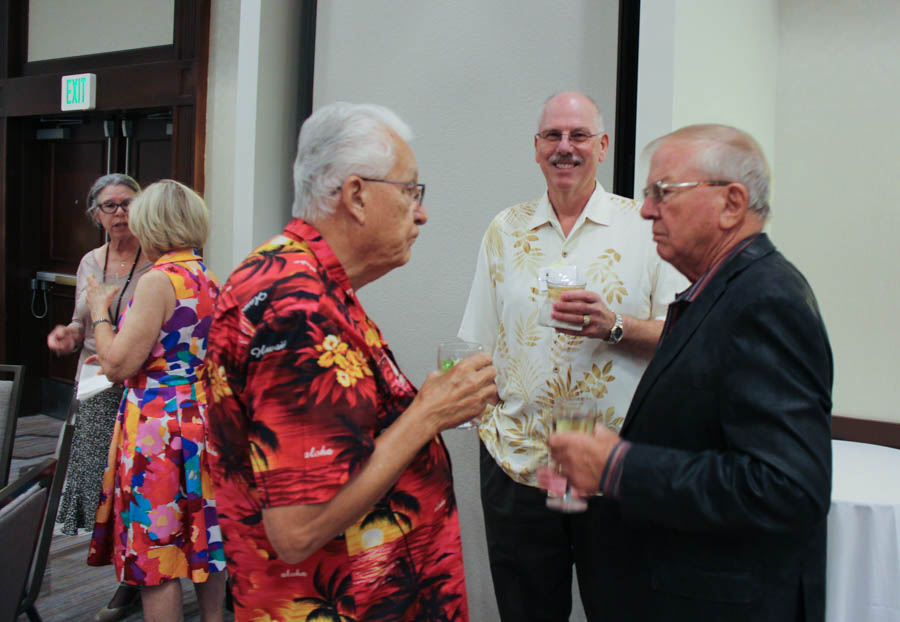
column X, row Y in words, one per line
column 559, row 280
column 555, row 289
column 452, row 352
column 569, row 415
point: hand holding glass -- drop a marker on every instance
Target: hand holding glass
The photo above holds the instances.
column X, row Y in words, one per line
column 559, row 280
column 449, row 354
column 569, row 415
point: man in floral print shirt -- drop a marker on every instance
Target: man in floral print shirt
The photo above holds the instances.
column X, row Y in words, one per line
column 333, row 487
column 614, row 324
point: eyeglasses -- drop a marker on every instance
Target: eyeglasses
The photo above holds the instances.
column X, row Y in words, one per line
column 575, row 136
column 110, row 207
column 659, row 191
column 415, row 191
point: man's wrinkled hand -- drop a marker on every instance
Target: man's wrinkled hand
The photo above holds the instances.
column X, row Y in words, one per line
column 587, row 309
column 460, row 393
column 582, row 457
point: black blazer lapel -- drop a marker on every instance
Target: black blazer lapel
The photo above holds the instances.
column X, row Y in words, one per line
column 691, row 319
column 673, row 343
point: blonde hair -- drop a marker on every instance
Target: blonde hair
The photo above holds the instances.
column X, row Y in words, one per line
column 169, row 216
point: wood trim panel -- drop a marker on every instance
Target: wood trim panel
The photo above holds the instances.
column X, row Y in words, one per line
column 14, row 31
column 92, row 62
column 183, row 143
column 3, row 235
column 865, row 431
column 137, row 86
column 4, row 37
column 200, row 54
column 9, row 43
column 307, row 33
column 187, row 18
column 626, row 97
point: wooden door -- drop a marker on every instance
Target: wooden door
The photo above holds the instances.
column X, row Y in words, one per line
column 63, row 155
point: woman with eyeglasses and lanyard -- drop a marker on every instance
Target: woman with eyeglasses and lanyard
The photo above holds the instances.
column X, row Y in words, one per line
column 156, row 520
column 119, row 262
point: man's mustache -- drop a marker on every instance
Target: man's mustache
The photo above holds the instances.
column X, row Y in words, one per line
column 566, row 158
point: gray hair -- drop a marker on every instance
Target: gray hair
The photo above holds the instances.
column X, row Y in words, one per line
column 598, row 116
column 112, row 179
column 728, row 154
column 336, row 141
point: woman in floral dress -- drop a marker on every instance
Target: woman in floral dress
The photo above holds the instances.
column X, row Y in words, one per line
column 157, row 519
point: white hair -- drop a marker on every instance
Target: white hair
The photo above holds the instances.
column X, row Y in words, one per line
column 336, row 141
column 728, row 154
column 598, row 116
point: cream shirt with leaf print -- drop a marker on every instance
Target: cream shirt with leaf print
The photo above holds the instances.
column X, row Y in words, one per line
column 536, row 365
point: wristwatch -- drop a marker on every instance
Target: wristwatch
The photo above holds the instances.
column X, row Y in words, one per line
column 615, row 333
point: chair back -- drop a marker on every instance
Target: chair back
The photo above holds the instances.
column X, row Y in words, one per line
column 23, row 505
column 11, row 378
column 45, row 538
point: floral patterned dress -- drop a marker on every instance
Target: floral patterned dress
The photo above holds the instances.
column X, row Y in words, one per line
column 157, row 517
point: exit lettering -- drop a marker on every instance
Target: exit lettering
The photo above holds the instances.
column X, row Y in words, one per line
column 78, row 92
column 75, row 91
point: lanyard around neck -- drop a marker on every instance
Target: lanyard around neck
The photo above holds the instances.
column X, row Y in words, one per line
column 115, row 318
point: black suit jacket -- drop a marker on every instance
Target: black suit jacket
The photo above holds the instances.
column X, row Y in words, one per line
column 725, row 492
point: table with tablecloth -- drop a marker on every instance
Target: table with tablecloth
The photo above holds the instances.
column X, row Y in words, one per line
column 863, row 576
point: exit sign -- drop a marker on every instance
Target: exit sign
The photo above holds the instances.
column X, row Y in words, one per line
column 79, row 92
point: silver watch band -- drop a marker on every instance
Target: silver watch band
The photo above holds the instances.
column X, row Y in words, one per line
column 615, row 333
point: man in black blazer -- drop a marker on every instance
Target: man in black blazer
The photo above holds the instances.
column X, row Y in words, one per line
column 723, row 467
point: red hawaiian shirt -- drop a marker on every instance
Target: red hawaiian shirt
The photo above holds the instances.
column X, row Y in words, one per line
column 300, row 384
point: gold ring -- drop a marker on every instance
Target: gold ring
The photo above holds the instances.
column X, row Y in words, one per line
column 586, row 320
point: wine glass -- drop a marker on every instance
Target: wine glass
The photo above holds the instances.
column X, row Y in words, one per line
column 569, row 415
column 449, row 354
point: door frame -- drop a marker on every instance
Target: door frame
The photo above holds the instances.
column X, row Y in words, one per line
column 162, row 76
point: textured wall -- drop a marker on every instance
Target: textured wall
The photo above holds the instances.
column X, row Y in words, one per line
column 470, row 77
column 59, row 29
column 836, row 213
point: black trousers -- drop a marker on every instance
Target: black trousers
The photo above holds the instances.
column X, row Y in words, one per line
column 532, row 550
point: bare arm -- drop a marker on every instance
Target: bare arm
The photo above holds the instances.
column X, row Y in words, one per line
column 122, row 354
column 444, row 401
column 639, row 336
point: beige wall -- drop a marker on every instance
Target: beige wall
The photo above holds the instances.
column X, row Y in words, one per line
column 836, row 214
column 251, row 125
column 707, row 61
column 470, row 77
column 221, row 123
column 816, row 84
column 62, row 28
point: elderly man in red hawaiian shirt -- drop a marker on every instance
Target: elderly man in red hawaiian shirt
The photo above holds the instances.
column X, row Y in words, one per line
column 333, row 486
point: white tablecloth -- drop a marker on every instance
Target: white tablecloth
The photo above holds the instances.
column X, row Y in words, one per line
column 863, row 576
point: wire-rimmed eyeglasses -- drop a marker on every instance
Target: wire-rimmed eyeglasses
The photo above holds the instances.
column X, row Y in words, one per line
column 110, row 207
column 575, row 136
column 659, row 190
column 413, row 190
